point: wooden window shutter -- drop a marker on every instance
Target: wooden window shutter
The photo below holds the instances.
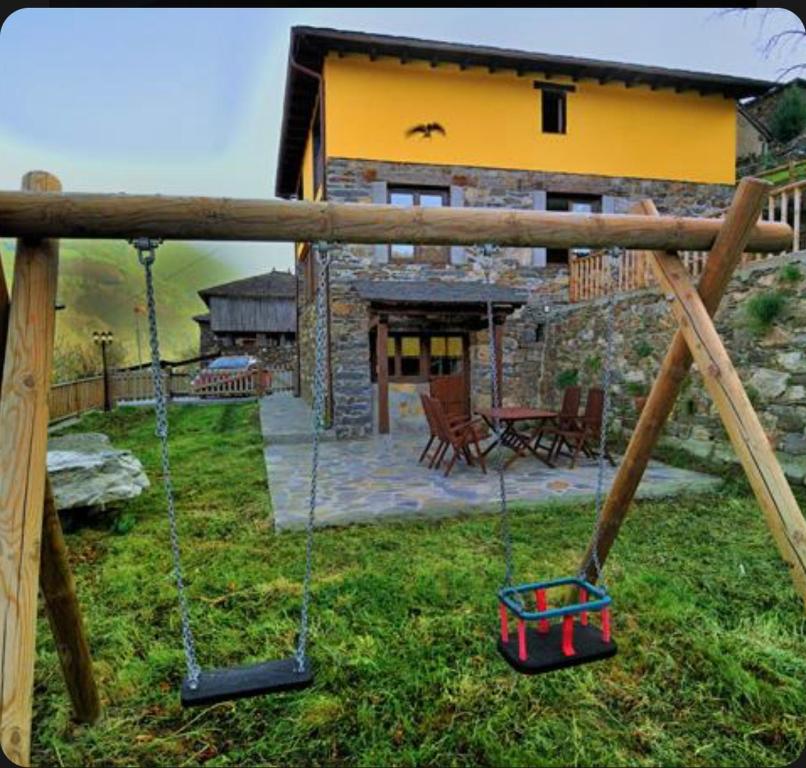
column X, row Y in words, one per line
column 608, row 204
column 457, row 200
column 379, row 197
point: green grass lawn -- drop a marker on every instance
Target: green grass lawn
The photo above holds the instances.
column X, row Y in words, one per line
column 711, row 669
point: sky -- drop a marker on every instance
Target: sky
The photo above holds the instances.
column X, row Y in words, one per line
column 189, row 101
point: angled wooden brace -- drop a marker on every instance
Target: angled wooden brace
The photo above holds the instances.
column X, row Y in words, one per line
column 724, row 257
column 775, row 497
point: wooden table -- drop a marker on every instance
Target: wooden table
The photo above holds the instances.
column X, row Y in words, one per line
column 510, row 436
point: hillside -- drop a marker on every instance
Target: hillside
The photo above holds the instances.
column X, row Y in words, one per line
column 101, row 282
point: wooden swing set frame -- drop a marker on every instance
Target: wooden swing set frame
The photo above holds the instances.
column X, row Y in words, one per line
column 32, row 550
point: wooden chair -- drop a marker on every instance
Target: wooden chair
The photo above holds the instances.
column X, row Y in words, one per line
column 462, row 436
column 582, row 434
column 566, row 419
column 433, row 430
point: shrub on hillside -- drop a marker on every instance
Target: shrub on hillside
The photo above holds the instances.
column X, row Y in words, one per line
column 789, row 119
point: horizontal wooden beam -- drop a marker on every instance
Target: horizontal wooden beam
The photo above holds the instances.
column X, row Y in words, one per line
column 57, row 215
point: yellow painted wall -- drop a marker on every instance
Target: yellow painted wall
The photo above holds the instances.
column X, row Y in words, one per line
column 307, row 169
column 495, row 121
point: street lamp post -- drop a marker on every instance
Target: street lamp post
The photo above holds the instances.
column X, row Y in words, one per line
column 104, row 339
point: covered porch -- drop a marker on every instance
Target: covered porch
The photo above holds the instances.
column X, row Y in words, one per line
column 423, row 336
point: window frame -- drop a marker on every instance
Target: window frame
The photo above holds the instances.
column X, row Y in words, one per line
column 424, row 375
column 417, row 191
column 560, row 91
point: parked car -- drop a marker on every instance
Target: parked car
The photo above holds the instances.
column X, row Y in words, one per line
column 231, row 375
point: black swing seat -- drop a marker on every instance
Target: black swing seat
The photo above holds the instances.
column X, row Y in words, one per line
column 545, row 650
column 250, row 680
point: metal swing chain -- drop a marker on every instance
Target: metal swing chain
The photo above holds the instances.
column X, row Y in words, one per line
column 607, row 376
column 495, row 390
column 146, row 254
column 323, row 257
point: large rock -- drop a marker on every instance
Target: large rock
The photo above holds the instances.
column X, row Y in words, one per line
column 769, row 383
column 86, row 471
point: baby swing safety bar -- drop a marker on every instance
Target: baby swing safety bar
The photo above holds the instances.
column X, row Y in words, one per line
column 207, row 687
column 552, row 647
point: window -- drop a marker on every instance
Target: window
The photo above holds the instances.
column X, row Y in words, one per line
column 576, row 204
column 446, row 355
column 553, row 111
column 425, row 197
column 553, row 105
column 415, row 357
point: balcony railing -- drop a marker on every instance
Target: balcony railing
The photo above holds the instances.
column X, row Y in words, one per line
column 588, row 278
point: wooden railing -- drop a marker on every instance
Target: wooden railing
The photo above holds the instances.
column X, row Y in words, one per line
column 72, row 398
column 587, row 274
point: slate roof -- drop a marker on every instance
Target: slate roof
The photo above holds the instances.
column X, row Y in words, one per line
column 274, row 284
column 202, row 318
column 425, row 292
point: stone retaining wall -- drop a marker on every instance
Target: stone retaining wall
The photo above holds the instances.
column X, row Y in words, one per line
column 772, row 365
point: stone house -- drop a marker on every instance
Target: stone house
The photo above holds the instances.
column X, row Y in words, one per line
column 381, row 119
column 255, row 315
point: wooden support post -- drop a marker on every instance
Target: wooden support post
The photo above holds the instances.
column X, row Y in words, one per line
column 23, row 453
column 64, row 615
column 4, row 310
column 722, row 260
column 381, row 356
column 499, row 359
column 742, row 424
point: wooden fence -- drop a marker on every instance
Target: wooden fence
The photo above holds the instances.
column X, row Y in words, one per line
column 74, row 397
column 588, row 274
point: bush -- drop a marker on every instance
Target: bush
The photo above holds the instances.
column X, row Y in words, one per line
column 593, row 364
column 636, row 389
column 568, row 378
column 643, row 348
column 790, row 274
column 789, row 119
column 763, row 309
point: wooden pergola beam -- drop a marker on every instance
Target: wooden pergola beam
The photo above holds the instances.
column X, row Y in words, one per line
column 775, row 497
column 722, row 261
column 27, row 214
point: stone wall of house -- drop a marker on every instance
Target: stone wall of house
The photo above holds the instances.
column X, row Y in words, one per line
column 351, row 181
column 772, row 365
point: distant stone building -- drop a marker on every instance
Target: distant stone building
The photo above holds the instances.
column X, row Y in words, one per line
column 402, row 121
column 256, row 316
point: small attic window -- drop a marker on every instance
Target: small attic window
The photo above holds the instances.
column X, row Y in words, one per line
column 553, row 110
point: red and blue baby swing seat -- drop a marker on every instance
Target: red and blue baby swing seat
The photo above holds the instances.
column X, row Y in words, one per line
column 544, row 645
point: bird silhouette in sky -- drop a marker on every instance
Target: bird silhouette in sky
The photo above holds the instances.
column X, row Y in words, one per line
column 426, row 129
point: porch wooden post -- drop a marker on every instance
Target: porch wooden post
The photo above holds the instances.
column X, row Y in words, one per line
column 383, row 376
column 23, row 455
column 725, row 255
column 498, row 324
column 742, row 424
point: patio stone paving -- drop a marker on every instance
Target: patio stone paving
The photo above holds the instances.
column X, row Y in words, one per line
column 378, row 478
